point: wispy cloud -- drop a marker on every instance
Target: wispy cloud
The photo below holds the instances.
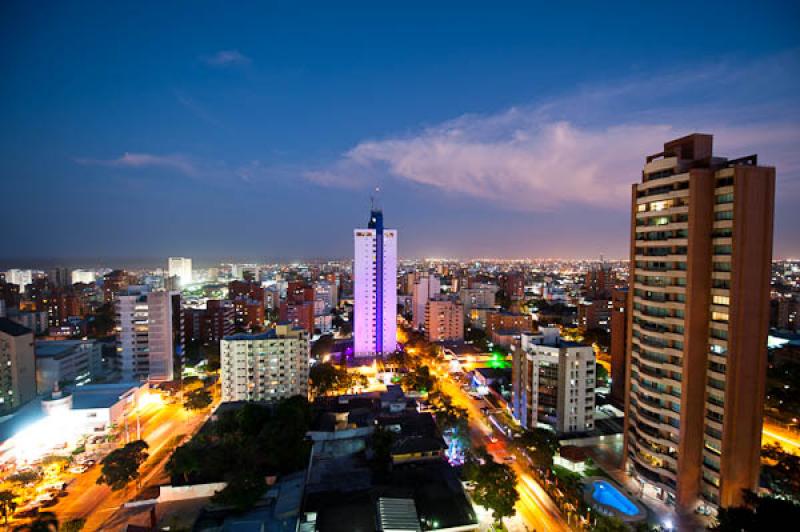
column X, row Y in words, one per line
column 227, row 58
column 588, row 147
column 196, row 109
column 176, row 162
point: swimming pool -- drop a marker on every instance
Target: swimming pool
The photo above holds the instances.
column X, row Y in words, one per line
column 606, row 493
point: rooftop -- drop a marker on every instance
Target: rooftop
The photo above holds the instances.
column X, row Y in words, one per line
column 13, row 328
column 100, row 395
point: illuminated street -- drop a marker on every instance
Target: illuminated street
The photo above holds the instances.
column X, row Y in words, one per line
column 774, row 434
column 160, row 425
column 535, row 507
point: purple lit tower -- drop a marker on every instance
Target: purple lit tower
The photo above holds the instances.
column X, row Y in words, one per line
column 375, row 290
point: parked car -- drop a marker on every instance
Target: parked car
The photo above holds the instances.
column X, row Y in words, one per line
column 78, row 469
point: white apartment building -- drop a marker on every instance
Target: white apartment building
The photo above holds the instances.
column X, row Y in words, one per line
column 72, row 361
column 553, row 382
column 83, row 276
column 182, row 268
column 375, row 288
column 268, row 366
column 426, row 286
column 144, row 335
column 328, row 293
column 19, row 277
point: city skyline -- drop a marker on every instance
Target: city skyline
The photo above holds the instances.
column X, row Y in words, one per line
column 183, row 141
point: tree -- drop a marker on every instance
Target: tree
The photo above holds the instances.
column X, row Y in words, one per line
column 43, row 522
column 122, row 465
column 325, row 377
column 601, row 372
column 322, row 346
column 24, row 477
column 541, row 445
column 604, row 523
column 183, row 463
column 198, row 399
column 242, row 491
column 74, row 525
column 756, row 514
column 7, row 504
column 495, row 485
column 419, row 379
column 781, row 471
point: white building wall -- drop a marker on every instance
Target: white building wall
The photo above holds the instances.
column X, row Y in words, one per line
column 181, row 267
column 364, row 292
column 82, row 276
column 426, row 286
column 159, row 336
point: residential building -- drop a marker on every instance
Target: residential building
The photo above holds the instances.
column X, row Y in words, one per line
column 701, row 249
column 375, row 291
column 619, row 335
column 21, row 278
column 83, row 276
column 553, row 382
column 36, row 321
column 328, row 293
column 182, row 268
column 66, row 362
column 599, row 280
column 145, row 339
column 479, row 295
column 426, row 286
column 268, row 366
column 444, row 319
column 115, row 282
column 17, row 366
column 595, row 314
column 508, row 321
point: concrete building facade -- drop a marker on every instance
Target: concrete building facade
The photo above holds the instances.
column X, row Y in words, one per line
column 17, row 366
column 553, row 382
column 269, row 366
column 701, row 248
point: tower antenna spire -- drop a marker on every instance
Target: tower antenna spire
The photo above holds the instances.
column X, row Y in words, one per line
column 375, row 199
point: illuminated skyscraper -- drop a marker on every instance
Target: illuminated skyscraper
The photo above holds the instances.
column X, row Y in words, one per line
column 182, row 267
column 701, row 246
column 375, row 290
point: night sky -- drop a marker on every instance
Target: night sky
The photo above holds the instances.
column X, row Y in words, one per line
column 144, row 130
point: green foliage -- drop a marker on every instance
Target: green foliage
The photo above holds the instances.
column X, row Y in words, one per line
column 242, row 491
column 602, row 373
column 757, row 514
column 54, row 459
column 600, row 337
column 382, row 440
column 74, row 525
column 244, row 446
column 781, row 471
column 326, row 378
column 122, row 465
column 477, row 337
column 419, row 379
column 322, row 346
column 495, row 484
column 198, row 399
column 541, row 445
column 608, row 524
column 451, row 418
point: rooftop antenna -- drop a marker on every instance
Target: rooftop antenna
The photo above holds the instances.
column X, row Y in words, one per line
column 375, row 200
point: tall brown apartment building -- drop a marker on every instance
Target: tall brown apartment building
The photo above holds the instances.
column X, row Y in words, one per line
column 619, row 336
column 701, row 246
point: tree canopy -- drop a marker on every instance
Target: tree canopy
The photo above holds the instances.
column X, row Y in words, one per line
column 198, row 399
column 495, row 484
column 541, row 445
column 757, row 514
column 122, row 465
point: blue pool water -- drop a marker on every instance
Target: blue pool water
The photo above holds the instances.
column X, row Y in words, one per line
column 607, row 494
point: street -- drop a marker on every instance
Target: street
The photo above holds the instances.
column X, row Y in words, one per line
column 535, row 508
column 160, row 425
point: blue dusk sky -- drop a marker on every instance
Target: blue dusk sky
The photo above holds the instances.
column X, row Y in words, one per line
column 512, row 129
